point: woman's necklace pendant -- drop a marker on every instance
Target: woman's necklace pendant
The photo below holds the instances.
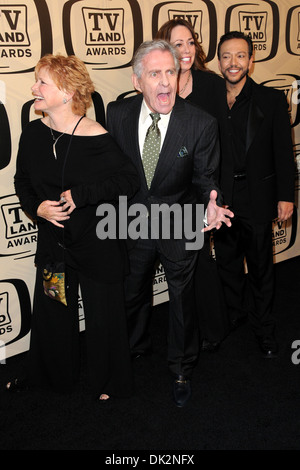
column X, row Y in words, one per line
column 55, row 140
column 54, row 150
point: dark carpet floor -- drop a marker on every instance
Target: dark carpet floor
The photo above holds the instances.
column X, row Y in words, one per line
column 240, row 400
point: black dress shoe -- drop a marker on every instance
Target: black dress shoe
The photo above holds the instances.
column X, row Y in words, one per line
column 181, row 390
column 268, row 346
column 209, row 346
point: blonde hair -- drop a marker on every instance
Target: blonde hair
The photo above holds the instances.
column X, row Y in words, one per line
column 70, row 74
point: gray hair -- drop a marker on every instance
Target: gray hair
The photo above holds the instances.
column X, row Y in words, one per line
column 148, row 46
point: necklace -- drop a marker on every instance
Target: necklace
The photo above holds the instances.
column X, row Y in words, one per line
column 186, row 84
column 55, row 140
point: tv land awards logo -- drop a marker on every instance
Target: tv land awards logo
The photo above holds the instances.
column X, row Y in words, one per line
column 259, row 21
column 254, row 25
column 19, row 233
column 105, row 38
column 104, row 27
column 14, row 31
column 25, row 35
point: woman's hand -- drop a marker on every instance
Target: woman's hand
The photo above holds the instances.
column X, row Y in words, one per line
column 53, row 211
column 66, row 198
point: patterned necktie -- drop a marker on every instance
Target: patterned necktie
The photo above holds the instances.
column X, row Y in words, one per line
column 151, row 148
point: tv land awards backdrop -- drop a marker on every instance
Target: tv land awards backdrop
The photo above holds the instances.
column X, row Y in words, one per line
column 105, row 35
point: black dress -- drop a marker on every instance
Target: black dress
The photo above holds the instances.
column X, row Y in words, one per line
column 97, row 172
column 207, row 92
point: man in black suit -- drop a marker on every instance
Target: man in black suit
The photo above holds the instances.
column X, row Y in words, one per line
column 184, row 175
column 257, row 183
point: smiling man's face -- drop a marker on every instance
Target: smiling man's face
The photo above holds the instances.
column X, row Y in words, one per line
column 158, row 82
column 234, row 62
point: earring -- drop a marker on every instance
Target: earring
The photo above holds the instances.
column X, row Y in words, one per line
column 64, row 100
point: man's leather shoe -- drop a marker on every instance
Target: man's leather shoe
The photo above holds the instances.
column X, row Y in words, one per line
column 181, row 390
column 268, row 346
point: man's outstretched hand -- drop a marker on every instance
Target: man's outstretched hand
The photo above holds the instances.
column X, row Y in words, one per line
column 216, row 215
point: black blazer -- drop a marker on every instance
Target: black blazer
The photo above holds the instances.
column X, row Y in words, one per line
column 270, row 164
column 187, row 168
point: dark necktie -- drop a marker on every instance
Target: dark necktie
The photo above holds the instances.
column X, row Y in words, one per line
column 151, row 148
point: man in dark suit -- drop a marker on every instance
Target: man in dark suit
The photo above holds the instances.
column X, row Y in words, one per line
column 184, row 175
column 257, row 182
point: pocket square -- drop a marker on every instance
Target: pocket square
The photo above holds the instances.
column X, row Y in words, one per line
column 182, row 152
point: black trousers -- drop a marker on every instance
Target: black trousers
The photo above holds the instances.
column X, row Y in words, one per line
column 210, row 300
column 54, row 355
column 182, row 335
column 250, row 241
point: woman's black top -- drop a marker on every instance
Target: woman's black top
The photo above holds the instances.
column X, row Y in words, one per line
column 97, row 172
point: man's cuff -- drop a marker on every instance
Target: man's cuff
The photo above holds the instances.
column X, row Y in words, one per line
column 205, row 219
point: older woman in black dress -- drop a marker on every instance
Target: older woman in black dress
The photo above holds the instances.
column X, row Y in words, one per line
column 61, row 188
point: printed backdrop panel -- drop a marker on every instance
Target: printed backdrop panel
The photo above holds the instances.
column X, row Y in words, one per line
column 105, row 35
